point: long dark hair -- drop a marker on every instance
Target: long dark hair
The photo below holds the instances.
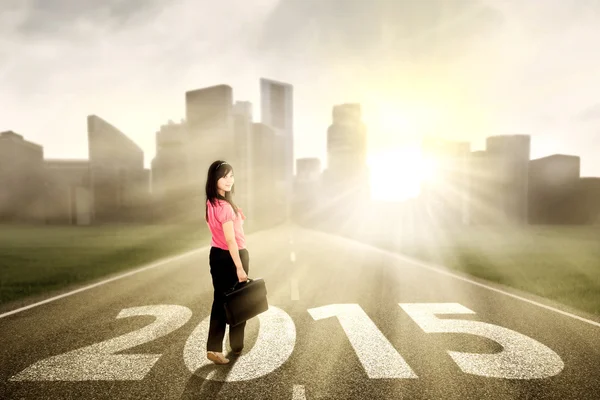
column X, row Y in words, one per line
column 216, row 171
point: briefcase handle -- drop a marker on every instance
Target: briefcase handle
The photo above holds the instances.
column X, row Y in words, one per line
column 238, row 284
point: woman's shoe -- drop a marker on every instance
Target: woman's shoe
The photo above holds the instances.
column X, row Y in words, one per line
column 217, row 358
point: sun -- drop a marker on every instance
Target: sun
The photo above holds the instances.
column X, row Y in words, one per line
column 397, row 168
column 397, row 174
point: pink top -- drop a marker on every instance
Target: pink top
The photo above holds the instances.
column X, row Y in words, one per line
column 217, row 216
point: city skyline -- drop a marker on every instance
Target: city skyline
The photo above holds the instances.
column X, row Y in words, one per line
column 409, row 164
column 491, row 68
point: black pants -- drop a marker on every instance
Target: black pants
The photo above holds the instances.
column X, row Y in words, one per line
column 224, row 276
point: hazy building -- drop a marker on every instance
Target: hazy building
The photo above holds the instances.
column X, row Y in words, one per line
column 22, row 179
column 269, row 200
column 118, row 178
column 347, row 152
column 170, row 165
column 244, row 191
column 553, row 184
column 277, row 112
column 68, row 192
column 509, row 156
column 482, row 192
column 306, row 186
column 308, row 169
column 170, row 171
column 588, row 200
column 210, row 125
column 445, row 194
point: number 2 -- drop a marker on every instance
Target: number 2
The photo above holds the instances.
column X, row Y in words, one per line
column 98, row 361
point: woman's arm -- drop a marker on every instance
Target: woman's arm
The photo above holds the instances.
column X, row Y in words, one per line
column 233, row 249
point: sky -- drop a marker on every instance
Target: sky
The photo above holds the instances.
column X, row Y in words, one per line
column 458, row 69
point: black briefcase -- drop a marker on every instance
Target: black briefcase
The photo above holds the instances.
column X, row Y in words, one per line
column 245, row 300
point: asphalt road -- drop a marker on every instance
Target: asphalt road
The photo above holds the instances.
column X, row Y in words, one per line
column 346, row 321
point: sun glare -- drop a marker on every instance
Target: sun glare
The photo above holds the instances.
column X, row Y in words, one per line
column 398, row 169
column 396, row 175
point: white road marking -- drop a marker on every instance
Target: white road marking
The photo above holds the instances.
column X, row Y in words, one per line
column 521, row 357
column 378, row 357
column 99, row 361
column 442, row 271
column 298, row 393
column 274, row 345
column 295, row 291
column 293, row 256
column 141, row 269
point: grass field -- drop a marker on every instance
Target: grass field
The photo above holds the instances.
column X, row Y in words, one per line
column 37, row 259
column 558, row 263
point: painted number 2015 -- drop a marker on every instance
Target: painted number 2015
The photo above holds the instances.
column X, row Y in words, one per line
column 521, row 357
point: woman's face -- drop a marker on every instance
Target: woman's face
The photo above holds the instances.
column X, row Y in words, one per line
column 224, row 184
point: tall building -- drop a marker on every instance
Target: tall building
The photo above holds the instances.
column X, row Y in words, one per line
column 244, row 191
column 210, row 126
column 170, row 165
column 269, row 206
column 22, row 179
column 277, row 112
column 510, row 177
column 170, row 174
column 347, row 151
column 445, row 194
column 118, row 185
column 553, row 184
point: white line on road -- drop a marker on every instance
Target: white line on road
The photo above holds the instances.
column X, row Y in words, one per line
column 298, row 393
column 295, row 291
column 293, row 256
column 440, row 270
column 143, row 268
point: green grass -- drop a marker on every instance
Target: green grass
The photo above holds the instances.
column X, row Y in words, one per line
column 558, row 263
column 39, row 259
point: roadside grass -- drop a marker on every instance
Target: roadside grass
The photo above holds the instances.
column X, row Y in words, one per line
column 39, row 259
column 561, row 263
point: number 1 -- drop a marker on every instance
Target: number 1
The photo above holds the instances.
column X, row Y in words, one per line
column 376, row 354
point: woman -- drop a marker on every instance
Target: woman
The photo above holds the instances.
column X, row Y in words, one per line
column 228, row 258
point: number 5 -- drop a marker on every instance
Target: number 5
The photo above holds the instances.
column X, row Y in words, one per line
column 521, row 358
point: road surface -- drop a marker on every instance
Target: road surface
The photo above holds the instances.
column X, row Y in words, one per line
column 346, row 321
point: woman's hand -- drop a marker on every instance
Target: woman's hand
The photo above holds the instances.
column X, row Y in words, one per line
column 242, row 277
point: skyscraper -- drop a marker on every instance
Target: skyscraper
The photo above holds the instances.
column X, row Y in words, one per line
column 347, row 151
column 268, row 200
column 244, row 191
column 170, row 171
column 117, row 171
column 210, row 126
column 277, row 112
